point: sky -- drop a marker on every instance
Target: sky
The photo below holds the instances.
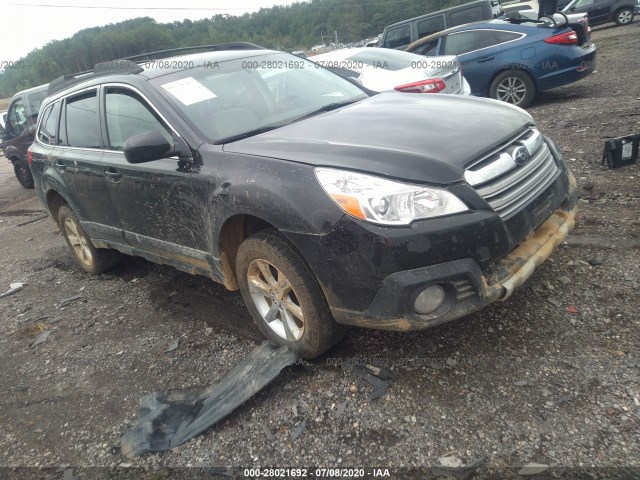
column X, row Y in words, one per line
column 30, row 24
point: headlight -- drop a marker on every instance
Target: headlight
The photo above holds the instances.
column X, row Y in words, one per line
column 384, row 201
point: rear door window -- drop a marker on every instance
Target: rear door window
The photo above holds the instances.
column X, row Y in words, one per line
column 430, row 26
column 397, row 37
column 81, row 121
column 469, row 41
column 468, row 15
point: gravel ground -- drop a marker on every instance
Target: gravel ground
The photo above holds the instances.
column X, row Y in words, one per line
column 548, row 377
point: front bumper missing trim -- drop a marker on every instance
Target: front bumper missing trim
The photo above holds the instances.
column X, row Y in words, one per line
column 398, row 290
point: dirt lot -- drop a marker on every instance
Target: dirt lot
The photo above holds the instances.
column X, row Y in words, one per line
column 550, row 376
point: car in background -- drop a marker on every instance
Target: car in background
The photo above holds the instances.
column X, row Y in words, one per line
column 381, row 69
column 513, row 62
column 399, row 35
column 18, row 130
column 598, row 12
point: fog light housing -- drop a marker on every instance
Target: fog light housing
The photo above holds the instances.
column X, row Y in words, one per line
column 429, row 299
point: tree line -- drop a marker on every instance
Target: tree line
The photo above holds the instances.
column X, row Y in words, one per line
column 294, row 27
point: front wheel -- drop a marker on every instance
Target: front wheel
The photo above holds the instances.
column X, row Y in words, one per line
column 284, row 297
column 23, row 173
column 92, row 260
column 513, row 86
column 624, row 16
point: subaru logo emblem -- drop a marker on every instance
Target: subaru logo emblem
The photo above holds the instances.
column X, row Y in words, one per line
column 520, row 155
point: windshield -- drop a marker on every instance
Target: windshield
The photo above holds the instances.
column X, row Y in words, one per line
column 228, row 99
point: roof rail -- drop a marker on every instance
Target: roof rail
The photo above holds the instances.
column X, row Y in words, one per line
column 112, row 67
column 196, row 49
column 129, row 65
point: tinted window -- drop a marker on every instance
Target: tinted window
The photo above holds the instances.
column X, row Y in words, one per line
column 459, row 43
column 506, row 36
column 397, row 37
column 429, row 48
column 35, row 100
column 82, row 127
column 128, row 115
column 467, row 15
column 583, row 3
column 430, row 26
column 17, row 120
column 49, row 126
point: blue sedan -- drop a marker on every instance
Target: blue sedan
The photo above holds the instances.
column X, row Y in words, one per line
column 514, row 61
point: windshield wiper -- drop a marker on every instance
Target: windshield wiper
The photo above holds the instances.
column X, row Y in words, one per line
column 250, row 133
column 326, row 108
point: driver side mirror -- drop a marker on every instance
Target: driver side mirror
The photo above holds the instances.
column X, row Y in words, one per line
column 147, row 147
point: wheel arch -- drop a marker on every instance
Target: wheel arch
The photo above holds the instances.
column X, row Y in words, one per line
column 54, row 201
column 233, row 232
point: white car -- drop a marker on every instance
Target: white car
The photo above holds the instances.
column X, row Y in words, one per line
column 382, row 69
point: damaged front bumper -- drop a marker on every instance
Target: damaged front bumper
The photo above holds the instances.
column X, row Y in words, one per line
column 467, row 287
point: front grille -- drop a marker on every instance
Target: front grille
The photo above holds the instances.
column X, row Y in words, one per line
column 514, row 175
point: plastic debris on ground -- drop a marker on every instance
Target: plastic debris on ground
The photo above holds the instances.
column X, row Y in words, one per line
column 169, row 419
column 13, row 288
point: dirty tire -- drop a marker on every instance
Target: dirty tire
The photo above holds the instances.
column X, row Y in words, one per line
column 92, row 260
column 624, row 16
column 513, row 86
column 23, row 173
column 277, row 284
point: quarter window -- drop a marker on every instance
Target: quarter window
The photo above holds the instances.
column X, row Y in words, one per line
column 128, row 115
column 49, row 126
column 81, row 121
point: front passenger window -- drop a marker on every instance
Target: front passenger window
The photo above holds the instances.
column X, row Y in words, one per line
column 128, row 115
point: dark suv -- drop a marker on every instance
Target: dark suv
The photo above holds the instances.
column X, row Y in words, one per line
column 326, row 205
column 18, row 130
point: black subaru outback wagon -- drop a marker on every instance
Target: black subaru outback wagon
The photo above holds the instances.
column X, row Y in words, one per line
column 326, row 205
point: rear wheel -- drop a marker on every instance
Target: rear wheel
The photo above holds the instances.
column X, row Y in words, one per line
column 283, row 296
column 513, row 86
column 92, row 260
column 23, row 173
column 624, row 16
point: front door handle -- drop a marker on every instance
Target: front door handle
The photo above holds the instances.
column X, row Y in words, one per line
column 486, row 59
column 112, row 174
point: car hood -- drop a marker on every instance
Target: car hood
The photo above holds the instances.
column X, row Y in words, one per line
column 420, row 137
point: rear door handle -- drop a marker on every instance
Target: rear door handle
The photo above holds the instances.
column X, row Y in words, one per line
column 113, row 174
column 60, row 165
column 486, row 59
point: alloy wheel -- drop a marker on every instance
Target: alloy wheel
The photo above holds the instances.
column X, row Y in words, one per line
column 511, row 90
column 275, row 299
column 78, row 242
column 625, row 16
